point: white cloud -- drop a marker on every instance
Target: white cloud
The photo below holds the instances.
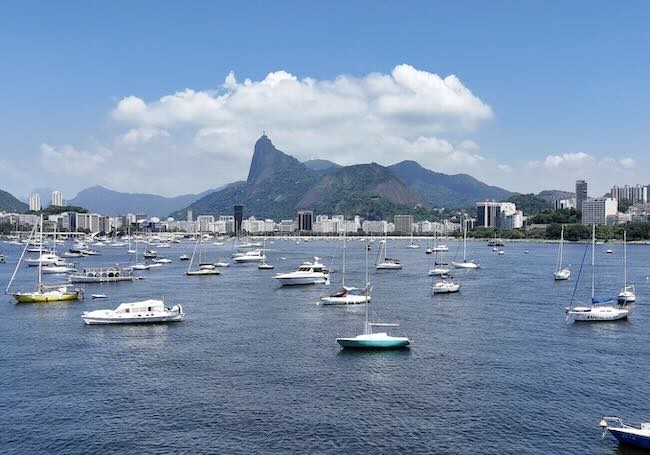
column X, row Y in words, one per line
column 73, row 162
column 567, row 160
column 137, row 136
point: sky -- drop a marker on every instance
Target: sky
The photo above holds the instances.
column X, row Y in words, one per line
column 170, row 97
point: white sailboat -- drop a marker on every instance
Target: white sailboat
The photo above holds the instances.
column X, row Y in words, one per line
column 628, row 293
column 203, row 269
column 602, row 308
column 370, row 340
column 263, row 265
column 445, row 286
column 561, row 273
column 412, row 245
column 348, row 295
column 465, row 264
column 386, row 263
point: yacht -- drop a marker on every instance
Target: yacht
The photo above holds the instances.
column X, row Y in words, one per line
column 249, row 256
column 101, row 275
column 56, row 269
column 438, row 271
column 45, row 259
column 308, row 273
column 446, row 286
column 628, row 434
column 150, row 254
column 146, row 311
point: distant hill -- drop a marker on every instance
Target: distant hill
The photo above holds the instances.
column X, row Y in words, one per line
column 112, row 203
column 529, row 203
column 322, row 166
column 9, row 203
column 553, row 195
column 443, row 190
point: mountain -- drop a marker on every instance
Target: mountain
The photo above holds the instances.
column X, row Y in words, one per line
column 369, row 190
column 112, row 203
column 8, row 203
column 323, row 166
column 276, row 182
column 552, row 195
column 529, row 203
column 443, row 190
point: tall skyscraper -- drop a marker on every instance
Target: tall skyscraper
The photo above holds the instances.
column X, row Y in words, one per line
column 35, row 202
column 305, row 220
column 239, row 216
column 190, row 215
column 633, row 194
column 57, row 198
column 581, row 193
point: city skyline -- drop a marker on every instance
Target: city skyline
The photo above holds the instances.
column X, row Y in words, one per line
column 525, row 114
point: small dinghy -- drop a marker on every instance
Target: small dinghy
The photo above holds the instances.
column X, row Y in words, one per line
column 98, row 296
column 635, row 435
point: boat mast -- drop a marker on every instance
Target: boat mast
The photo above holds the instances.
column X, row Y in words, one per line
column 189, row 267
column 13, row 276
column 344, row 242
column 624, row 259
column 40, row 260
column 593, row 248
column 366, row 327
column 464, row 240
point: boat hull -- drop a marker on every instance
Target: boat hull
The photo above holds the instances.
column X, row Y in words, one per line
column 630, row 439
column 301, row 281
column 28, row 297
column 393, row 343
column 388, row 266
column 87, row 279
column 345, row 300
column 133, row 320
column 465, row 265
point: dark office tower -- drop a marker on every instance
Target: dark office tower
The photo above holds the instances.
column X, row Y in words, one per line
column 581, row 193
column 239, row 216
column 305, row 220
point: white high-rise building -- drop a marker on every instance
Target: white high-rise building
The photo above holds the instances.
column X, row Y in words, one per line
column 599, row 211
column 57, row 198
column 35, row 202
column 633, row 194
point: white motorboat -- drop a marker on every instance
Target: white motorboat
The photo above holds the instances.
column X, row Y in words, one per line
column 222, row 264
column 249, row 256
column 44, row 259
column 146, row 311
column 308, row 273
column 609, row 251
column 628, row 434
column 628, row 293
column 57, row 269
column 438, row 271
column 98, row 296
column 150, row 254
column 265, row 266
column 501, row 253
column 440, row 249
column 602, row 308
column 69, row 254
column 162, row 261
column 446, row 286
column 184, row 257
column 140, row 266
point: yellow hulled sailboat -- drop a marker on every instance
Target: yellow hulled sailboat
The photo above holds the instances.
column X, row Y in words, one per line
column 44, row 293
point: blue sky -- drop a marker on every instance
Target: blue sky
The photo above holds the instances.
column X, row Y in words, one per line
column 565, row 80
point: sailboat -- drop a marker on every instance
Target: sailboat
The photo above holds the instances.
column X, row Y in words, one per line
column 412, row 245
column 561, row 273
column 465, row 264
column 602, row 308
column 369, row 339
column 44, row 293
column 387, row 263
column 203, row 269
column 348, row 295
column 627, row 294
column 263, row 265
column 439, row 267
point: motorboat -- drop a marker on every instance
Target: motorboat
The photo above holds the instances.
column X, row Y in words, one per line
column 265, row 266
column 440, row 249
column 44, row 259
column 150, row 254
column 627, row 295
column 501, row 253
column 428, row 251
column 249, row 256
column 98, row 296
column 629, row 434
column 140, row 266
column 308, row 273
column 58, row 269
column 184, row 257
column 446, row 286
column 146, row 311
column 69, row 254
column 203, row 272
column 102, row 275
column 609, row 251
column 162, row 261
column 222, row 264
column 438, row 271
column 90, row 253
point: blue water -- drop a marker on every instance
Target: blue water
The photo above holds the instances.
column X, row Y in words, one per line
column 255, row 368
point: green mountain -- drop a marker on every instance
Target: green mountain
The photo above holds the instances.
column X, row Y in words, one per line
column 8, row 203
column 529, row 203
column 443, row 190
column 275, row 184
column 369, row 190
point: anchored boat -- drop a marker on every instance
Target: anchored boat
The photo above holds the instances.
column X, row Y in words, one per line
column 101, row 275
column 635, row 435
column 147, row 311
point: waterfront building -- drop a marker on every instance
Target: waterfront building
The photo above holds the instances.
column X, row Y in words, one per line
column 581, row 193
column 57, row 199
column 599, row 210
column 375, row 227
column 499, row 215
column 305, row 220
column 637, row 194
column 204, row 222
column 34, row 202
column 403, row 224
column 238, row 217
